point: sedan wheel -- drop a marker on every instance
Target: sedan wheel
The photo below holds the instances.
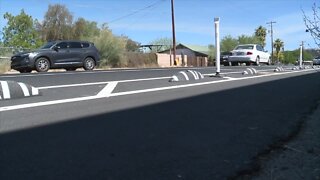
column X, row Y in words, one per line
column 89, row 63
column 42, row 65
column 257, row 61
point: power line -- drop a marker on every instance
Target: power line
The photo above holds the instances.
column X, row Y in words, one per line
column 135, row 12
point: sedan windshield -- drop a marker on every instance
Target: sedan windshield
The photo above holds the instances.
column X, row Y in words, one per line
column 244, row 47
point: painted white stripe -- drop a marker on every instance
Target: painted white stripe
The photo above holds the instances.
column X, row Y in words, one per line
column 24, row 88
column 174, row 79
column 251, row 72
column 99, row 83
column 201, row 76
column 107, row 90
column 0, row 97
column 254, row 70
column 34, row 91
column 185, row 75
column 55, row 102
column 5, row 89
column 196, row 73
column 195, row 77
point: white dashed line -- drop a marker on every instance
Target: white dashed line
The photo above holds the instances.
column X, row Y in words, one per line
column 107, row 90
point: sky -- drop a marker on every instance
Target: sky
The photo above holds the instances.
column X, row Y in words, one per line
column 146, row 20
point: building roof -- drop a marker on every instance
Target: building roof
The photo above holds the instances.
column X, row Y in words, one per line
column 199, row 50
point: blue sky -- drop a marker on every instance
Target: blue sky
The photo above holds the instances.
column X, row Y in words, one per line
column 194, row 18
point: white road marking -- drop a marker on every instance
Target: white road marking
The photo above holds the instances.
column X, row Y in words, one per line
column 107, row 90
column 185, row 75
column 34, row 91
column 55, row 102
column 5, row 89
column 99, row 83
column 24, row 88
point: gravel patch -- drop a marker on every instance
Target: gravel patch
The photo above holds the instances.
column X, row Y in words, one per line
column 298, row 159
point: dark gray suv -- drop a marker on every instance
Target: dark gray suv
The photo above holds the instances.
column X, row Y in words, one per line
column 69, row 55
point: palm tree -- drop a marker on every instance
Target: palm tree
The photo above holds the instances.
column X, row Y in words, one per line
column 278, row 45
column 261, row 33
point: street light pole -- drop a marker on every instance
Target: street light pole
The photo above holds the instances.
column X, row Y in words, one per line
column 173, row 33
column 271, row 22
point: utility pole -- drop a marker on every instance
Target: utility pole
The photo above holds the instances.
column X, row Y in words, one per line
column 271, row 22
column 173, row 33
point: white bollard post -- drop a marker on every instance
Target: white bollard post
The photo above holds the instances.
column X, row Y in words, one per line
column 300, row 59
column 217, row 41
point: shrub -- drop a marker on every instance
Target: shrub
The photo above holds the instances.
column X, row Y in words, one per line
column 141, row 60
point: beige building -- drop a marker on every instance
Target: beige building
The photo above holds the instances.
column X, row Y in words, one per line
column 186, row 55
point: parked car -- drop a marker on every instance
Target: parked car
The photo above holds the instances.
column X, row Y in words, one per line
column 224, row 58
column 249, row 53
column 316, row 61
column 68, row 55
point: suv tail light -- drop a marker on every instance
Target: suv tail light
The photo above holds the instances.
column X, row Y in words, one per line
column 249, row 53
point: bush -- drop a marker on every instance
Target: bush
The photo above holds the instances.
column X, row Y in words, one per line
column 4, row 65
column 141, row 60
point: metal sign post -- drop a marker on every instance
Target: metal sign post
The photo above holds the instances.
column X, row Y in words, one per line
column 217, row 36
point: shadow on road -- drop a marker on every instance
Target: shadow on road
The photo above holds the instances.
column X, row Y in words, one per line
column 211, row 136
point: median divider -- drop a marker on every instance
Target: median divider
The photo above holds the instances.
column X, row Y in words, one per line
column 249, row 71
column 278, row 69
column 16, row 90
column 186, row 76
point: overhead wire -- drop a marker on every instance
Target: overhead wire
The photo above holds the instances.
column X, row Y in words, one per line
column 136, row 11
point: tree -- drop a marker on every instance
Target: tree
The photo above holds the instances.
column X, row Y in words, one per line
column 111, row 48
column 228, row 43
column 244, row 39
column 261, row 33
column 312, row 24
column 20, row 31
column 131, row 45
column 57, row 23
column 278, row 45
column 83, row 29
column 165, row 42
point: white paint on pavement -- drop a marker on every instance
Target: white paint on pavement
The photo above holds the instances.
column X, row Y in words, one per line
column 5, row 89
column 24, row 88
column 107, row 90
column 185, row 75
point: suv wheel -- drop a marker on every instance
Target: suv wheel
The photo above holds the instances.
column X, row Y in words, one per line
column 89, row 63
column 42, row 64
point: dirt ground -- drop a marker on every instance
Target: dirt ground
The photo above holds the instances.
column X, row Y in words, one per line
column 298, row 159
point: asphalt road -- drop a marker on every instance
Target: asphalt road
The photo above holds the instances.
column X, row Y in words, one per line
column 134, row 124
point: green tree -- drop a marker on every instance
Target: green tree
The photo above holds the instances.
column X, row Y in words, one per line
column 244, row 39
column 228, row 43
column 111, row 48
column 83, row 29
column 278, row 45
column 165, row 42
column 20, row 31
column 261, row 33
column 131, row 45
column 57, row 23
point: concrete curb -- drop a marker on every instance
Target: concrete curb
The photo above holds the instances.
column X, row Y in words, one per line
column 278, row 69
column 186, row 76
column 15, row 90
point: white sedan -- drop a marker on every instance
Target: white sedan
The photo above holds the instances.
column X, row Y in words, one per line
column 249, row 53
